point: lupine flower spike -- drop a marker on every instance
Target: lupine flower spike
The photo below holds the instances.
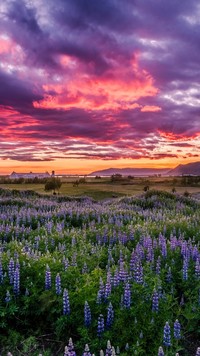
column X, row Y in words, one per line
column 160, row 351
column 87, row 351
column 66, row 305
column 87, row 315
column 177, row 330
column 167, row 335
column 71, row 351
column 198, row 352
column 110, row 316
column 108, row 349
column 100, row 326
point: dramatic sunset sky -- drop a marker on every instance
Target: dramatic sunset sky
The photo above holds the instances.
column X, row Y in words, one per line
column 93, row 84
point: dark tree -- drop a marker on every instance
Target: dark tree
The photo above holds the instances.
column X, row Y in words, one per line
column 146, row 188
column 53, row 184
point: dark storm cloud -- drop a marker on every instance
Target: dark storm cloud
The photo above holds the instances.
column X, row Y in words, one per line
column 16, row 93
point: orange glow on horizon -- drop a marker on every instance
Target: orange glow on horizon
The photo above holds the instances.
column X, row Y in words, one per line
column 83, row 166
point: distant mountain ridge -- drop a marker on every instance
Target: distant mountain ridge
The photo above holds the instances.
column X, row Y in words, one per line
column 129, row 171
column 181, row 169
column 190, row 169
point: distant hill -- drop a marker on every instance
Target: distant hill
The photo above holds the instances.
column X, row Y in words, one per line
column 130, row 171
column 190, row 169
column 181, row 169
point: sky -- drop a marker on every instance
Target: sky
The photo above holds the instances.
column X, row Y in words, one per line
column 88, row 85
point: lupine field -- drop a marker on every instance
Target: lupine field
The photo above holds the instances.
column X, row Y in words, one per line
column 125, row 270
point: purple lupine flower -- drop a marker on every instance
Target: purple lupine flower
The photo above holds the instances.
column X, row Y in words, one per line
column 66, row 351
column 123, row 274
column 110, row 316
column 167, row 335
column 16, row 282
column 133, row 261
column 197, row 269
column 127, row 296
column 87, row 351
column 185, row 269
column 160, row 351
column 195, row 252
column 109, row 349
column 87, row 315
column 11, row 270
column 47, row 278
column 177, row 330
column 100, row 325
column 58, row 284
column 158, row 265
column 155, row 301
column 198, row 352
column 138, row 272
column 69, row 350
column 8, row 297
column 66, row 304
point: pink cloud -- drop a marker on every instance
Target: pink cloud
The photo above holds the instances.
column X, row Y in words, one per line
column 150, row 108
column 118, row 89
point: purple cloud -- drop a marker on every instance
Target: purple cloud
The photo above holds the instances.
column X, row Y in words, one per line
column 99, row 79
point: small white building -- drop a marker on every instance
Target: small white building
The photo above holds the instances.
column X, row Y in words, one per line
column 31, row 175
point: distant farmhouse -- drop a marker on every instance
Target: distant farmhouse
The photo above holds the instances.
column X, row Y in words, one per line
column 32, row 175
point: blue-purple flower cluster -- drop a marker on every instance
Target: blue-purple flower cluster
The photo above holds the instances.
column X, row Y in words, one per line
column 121, row 261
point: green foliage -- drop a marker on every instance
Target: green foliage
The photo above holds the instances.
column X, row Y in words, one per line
column 116, row 178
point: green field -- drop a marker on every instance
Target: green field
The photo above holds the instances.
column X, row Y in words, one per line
column 125, row 270
column 103, row 188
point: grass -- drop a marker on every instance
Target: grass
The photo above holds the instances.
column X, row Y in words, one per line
column 103, row 188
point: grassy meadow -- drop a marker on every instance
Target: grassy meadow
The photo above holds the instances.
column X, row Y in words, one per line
column 125, row 270
column 103, row 188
